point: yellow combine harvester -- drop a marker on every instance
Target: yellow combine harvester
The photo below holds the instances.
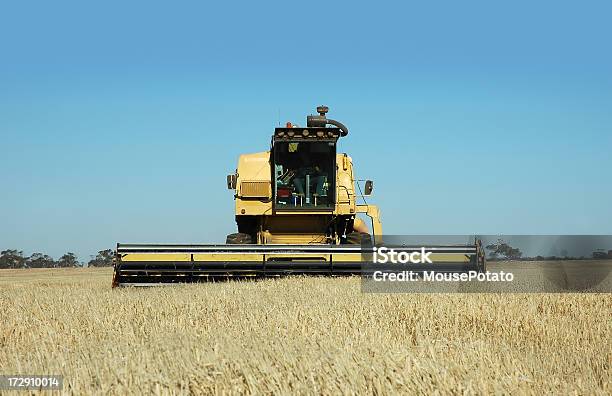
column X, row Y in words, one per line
column 296, row 212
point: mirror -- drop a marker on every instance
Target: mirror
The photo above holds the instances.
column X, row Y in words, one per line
column 369, row 186
column 231, row 182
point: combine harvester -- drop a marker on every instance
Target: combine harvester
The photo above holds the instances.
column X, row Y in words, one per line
column 296, row 212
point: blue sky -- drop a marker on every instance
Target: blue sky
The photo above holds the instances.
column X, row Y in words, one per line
column 119, row 122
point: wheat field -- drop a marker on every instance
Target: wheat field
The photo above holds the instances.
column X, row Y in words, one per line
column 298, row 335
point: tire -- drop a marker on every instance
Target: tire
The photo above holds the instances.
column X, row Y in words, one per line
column 238, row 239
column 359, row 238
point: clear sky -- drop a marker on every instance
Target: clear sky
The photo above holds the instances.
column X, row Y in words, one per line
column 120, row 120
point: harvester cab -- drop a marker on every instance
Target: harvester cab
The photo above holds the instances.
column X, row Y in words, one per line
column 301, row 191
column 304, row 163
column 304, row 174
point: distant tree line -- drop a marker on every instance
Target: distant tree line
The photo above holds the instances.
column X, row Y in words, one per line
column 501, row 250
column 11, row 258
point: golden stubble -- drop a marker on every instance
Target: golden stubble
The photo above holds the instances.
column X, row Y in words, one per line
column 298, row 335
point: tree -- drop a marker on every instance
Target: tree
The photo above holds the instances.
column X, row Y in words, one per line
column 39, row 260
column 12, row 259
column 68, row 260
column 104, row 258
column 501, row 248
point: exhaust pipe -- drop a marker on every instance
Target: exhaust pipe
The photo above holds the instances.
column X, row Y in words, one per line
column 321, row 121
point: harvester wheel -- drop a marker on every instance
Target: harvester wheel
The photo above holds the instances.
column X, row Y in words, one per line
column 238, row 239
column 359, row 238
